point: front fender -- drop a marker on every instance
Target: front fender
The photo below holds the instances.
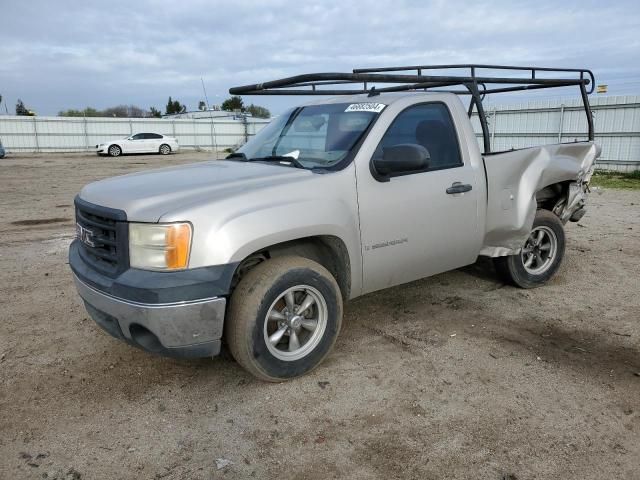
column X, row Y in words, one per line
column 257, row 230
column 229, row 230
column 123, row 149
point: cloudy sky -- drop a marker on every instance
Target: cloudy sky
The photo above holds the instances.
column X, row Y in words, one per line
column 73, row 54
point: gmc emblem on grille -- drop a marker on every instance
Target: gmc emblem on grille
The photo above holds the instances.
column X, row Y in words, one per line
column 85, row 235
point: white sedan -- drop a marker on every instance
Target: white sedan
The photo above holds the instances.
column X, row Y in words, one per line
column 139, row 143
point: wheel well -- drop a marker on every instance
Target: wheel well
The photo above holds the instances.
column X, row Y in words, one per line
column 549, row 197
column 163, row 144
column 329, row 251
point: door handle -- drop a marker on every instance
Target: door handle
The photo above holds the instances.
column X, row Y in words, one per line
column 458, row 187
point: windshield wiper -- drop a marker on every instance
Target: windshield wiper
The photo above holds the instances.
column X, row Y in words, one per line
column 278, row 159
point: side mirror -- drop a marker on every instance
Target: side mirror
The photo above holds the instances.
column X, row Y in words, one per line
column 402, row 158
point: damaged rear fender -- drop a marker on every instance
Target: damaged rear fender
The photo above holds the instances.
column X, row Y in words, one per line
column 514, row 180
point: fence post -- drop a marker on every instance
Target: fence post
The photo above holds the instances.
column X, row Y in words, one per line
column 493, row 127
column 211, row 129
column 560, row 126
column 195, row 134
column 86, row 134
column 130, row 127
column 245, row 121
column 35, row 133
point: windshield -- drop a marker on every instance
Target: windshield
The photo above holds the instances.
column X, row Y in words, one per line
column 317, row 136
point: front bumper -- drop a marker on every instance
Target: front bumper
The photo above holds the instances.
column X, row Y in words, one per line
column 180, row 329
column 177, row 314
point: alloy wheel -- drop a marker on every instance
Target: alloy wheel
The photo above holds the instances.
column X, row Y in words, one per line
column 539, row 250
column 295, row 323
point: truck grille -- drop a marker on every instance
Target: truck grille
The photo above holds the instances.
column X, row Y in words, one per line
column 103, row 236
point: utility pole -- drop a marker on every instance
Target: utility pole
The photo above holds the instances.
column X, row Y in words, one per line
column 213, row 139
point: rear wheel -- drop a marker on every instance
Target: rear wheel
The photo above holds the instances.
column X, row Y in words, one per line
column 283, row 318
column 165, row 149
column 115, row 151
column 540, row 256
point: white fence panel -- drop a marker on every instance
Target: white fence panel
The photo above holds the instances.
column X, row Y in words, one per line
column 73, row 134
column 616, row 120
column 617, row 126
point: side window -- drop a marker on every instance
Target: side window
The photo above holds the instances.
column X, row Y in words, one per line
column 152, row 136
column 138, row 136
column 429, row 125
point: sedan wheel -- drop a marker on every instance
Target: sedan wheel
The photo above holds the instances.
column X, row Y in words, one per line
column 115, row 151
column 165, row 149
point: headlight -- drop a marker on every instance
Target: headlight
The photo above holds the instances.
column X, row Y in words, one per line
column 157, row 246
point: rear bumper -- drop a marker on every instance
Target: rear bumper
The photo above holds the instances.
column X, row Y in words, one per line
column 188, row 329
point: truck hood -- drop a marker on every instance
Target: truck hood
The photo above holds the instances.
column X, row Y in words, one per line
column 147, row 196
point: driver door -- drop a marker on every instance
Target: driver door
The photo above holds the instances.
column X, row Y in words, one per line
column 136, row 143
column 412, row 223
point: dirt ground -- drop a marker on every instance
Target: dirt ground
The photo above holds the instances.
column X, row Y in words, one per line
column 455, row 376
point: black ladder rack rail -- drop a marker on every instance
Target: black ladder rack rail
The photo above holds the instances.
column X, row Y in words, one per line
column 478, row 86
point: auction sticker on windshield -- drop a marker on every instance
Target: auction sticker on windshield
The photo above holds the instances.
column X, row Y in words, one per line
column 366, row 107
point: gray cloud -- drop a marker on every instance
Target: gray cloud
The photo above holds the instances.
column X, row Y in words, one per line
column 58, row 55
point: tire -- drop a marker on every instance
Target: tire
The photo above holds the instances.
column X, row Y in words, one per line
column 114, row 151
column 548, row 232
column 263, row 291
column 164, row 149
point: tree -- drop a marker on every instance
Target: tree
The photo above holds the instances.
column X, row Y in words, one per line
column 21, row 109
column 87, row 112
column 91, row 112
column 174, row 106
column 258, row 111
column 154, row 112
column 119, row 111
column 233, row 104
column 168, row 110
column 201, row 105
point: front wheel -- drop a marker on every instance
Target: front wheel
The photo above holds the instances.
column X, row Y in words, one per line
column 284, row 318
column 540, row 257
column 115, row 151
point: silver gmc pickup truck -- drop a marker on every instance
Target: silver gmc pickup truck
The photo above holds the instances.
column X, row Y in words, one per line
column 371, row 188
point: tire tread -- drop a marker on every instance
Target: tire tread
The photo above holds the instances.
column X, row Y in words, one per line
column 246, row 301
